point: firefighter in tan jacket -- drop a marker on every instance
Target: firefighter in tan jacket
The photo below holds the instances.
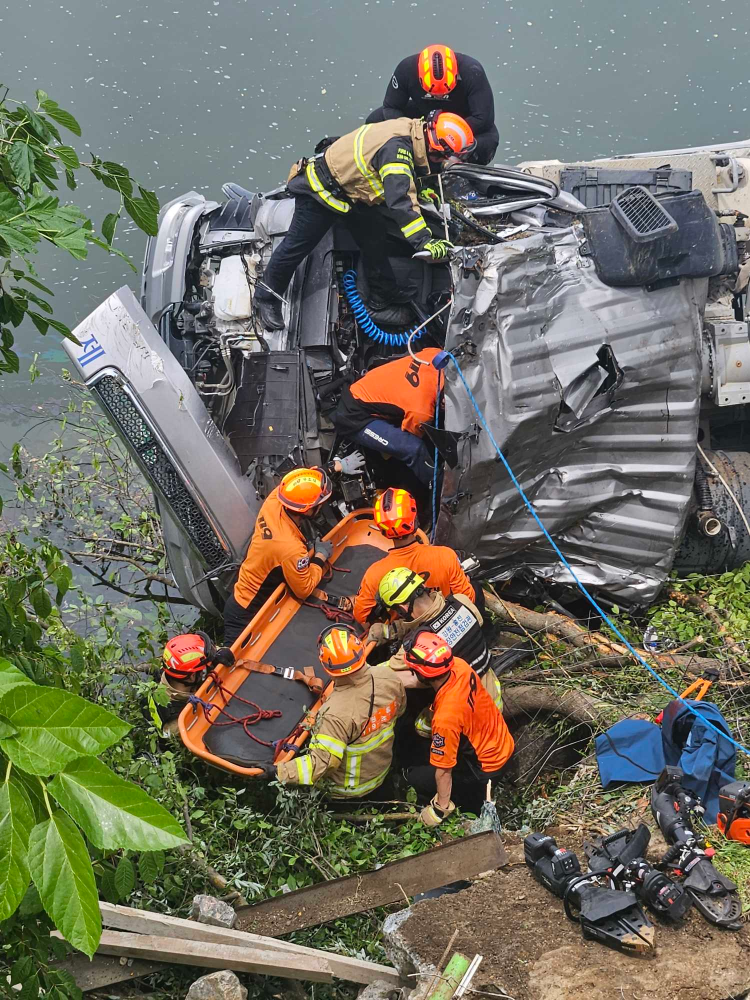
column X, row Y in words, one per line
column 352, row 744
column 358, row 177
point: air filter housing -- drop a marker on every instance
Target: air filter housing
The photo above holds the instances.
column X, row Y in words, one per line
column 641, row 215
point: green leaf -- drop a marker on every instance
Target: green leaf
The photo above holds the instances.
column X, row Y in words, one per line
column 70, row 180
column 21, row 159
column 150, row 866
column 63, row 118
column 150, row 198
column 20, row 237
column 54, row 727
column 16, row 824
column 10, row 206
column 31, row 904
column 109, row 225
column 6, row 730
column 62, row 579
column 39, row 322
column 61, row 869
column 125, row 877
column 142, row 214
column 114, row 813
column 35, row 123
column 68, row 156
column 40, row 602
column 11, row 676
column 74, row 241
column 108, row 887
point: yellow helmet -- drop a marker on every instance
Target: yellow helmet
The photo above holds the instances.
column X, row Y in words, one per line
column 399, row 586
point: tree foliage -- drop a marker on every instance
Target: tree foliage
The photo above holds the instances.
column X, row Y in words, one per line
column 33, row 160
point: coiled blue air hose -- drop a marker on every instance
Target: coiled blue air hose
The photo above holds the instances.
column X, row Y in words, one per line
column 367, row 324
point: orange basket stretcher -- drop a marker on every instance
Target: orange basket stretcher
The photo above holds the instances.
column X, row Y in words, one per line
column 284, row 633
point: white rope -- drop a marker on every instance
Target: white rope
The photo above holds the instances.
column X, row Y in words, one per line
column 421, row 327
column 725, row 484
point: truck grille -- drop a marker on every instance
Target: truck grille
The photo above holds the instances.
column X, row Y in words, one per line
column 159, row 469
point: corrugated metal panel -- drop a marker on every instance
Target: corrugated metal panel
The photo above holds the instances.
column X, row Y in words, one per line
column 614, row 489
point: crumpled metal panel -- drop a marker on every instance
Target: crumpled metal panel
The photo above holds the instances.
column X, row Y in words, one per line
column 593, row 394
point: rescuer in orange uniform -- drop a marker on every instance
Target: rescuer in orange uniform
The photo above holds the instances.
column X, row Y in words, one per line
column 385, row 409
column 279, row 551
column 396, row 516
column 470, row 740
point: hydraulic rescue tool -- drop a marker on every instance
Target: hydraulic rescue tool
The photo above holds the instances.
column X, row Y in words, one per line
column 714, row 895
column 621, row 856
column 734, row 811
column 608, row 915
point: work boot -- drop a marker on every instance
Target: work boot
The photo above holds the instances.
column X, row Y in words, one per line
column 396, row 314
column 269, row 311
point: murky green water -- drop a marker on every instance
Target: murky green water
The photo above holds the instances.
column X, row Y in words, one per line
column 191, row 94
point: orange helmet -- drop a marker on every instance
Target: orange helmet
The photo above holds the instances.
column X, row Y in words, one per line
column 186, row 657
column 437, row 67
column 448, row 134
column 396, row 513
column 341, row 650
column 302, row 490
column 427, row 654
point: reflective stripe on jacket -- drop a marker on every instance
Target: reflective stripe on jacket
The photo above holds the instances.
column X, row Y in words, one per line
column 353, row 742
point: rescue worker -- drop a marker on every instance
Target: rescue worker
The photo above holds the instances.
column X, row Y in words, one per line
column 405, row 595
column 439, row 77
column 279, row 552
column 353, row 742
column 361, row 178
column 395, row 514
column 385, row 409
column 470, row 741
column 187, row 660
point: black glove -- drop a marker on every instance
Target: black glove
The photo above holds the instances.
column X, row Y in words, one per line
column 269, row 771
column 223, row 656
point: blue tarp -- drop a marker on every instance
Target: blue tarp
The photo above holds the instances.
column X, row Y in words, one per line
column 636, row 750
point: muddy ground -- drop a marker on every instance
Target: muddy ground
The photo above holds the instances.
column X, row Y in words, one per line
column 533, row 952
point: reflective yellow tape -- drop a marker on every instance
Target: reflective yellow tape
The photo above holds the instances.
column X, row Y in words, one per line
column 336, row 748
column 394, row 168
column 304, row 770
column 323, row 193
column 359, row 159
column 346, row 791
column 413, row 227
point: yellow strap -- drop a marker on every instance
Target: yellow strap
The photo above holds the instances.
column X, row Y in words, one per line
column 413, row 227
column 359, row 159
column 323, row 193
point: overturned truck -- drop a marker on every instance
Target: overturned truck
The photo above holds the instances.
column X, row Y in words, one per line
column 598, row 312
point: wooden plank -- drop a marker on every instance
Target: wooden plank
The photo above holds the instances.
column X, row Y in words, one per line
column 102, row 971
column 317, row 904
column 124, row 918
column 215, row 956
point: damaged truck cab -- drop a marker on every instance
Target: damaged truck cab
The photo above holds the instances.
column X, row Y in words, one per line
column 598, row 312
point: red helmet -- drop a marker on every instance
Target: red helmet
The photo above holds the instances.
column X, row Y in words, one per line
column 187, row 657
column 396, row 513
column 437, row 67
column 302, row 490
column 448, row 134
column 341, row 650
column 427, row 654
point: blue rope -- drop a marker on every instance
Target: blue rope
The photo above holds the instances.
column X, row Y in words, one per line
column 570, row 569
column 368, row 325
column 435, row 459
